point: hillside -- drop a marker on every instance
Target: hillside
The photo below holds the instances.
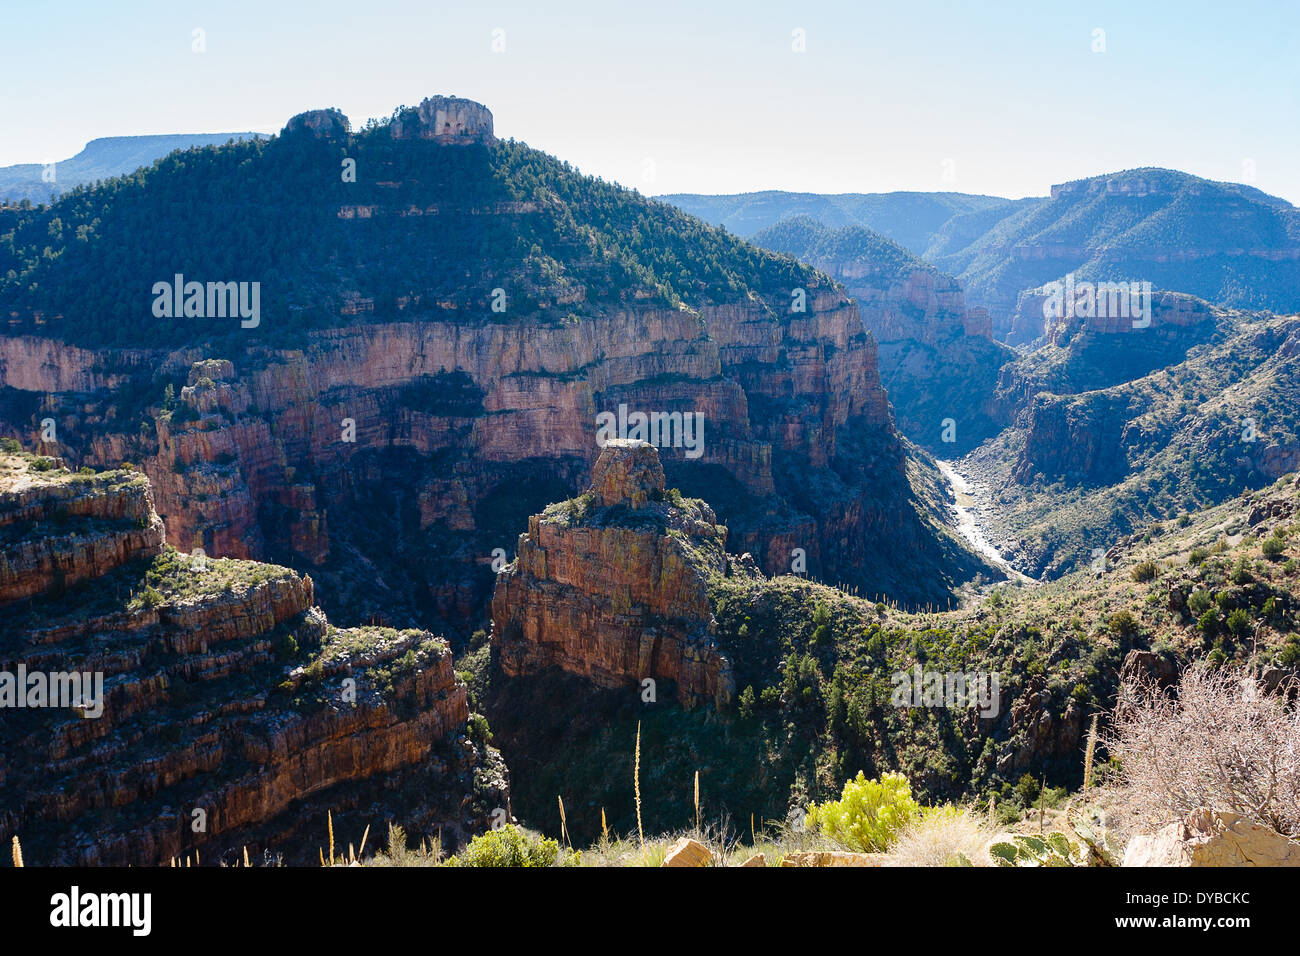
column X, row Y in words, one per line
column 1093, row 455
column 1229, row 244
column 434, row 345
column 777, row 690
column 498, row 215
column 100, row 159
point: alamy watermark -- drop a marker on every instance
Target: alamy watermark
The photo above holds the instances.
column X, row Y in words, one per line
column 921, row 688
column 661, row 429
column 1116, row 300
column 82, row 691
column 211, row 300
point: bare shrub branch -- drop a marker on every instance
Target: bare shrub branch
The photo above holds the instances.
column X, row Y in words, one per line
column 1216, row 740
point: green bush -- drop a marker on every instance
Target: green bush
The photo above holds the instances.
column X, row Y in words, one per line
column 1123, row 623
column 869, row 815
column 1289, row 656
column 1273, row 547
column 510, row 846
column 1239, row 622
column 1144, row 571
column 1241, row 574
column 1199, row 602
column 1028, row 789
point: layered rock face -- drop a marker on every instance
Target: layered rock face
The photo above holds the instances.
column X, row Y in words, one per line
column 613, row 586
column 389, row 424
column 320, row 124
column 229, row 712
column 258, row 450
column 89, row 525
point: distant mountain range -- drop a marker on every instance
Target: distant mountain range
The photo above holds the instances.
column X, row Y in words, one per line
column 100, row 159
column 1229, row 244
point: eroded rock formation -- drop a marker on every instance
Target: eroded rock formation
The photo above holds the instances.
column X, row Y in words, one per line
column 613, row 585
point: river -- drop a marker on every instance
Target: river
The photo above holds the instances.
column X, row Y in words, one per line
column 969, row 527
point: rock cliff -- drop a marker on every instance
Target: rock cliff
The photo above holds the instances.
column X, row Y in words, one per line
column 445, row 119
column 231, row 713
column 614, row 585
column 935, row 353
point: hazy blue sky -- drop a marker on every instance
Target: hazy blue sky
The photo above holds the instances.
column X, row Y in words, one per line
column 1000, row 98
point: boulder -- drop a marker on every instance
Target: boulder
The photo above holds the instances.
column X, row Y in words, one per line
column 688, row 852
column 1211, row 838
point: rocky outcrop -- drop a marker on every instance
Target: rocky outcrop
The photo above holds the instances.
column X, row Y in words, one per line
column 445, row 119
column 1037, row 733
column 613, row 586
column 230, row 712
column 319, row 124
column 1079, row 438
column 1213, row 838
column 89, row 525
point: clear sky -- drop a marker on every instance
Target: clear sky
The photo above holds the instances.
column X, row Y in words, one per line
column 1000, row 98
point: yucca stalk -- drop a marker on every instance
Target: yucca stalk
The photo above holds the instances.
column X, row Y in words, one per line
column 364, row 834
column 636, row 785
column 246, row 863
column 564, row 823
column 329, row 816
column 17, row 852
column 604, row 830
column 697, row 801
column 1089, row 753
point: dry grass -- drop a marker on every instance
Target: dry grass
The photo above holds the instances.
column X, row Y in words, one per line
column 944, row 836
column 398, row 854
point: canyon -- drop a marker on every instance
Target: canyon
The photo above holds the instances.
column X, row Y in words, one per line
column 444, row 423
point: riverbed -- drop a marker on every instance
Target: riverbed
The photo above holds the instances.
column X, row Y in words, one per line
column 967, row 525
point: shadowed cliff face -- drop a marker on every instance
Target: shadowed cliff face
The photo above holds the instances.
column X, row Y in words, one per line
column 216, row 708
column 293, row 455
